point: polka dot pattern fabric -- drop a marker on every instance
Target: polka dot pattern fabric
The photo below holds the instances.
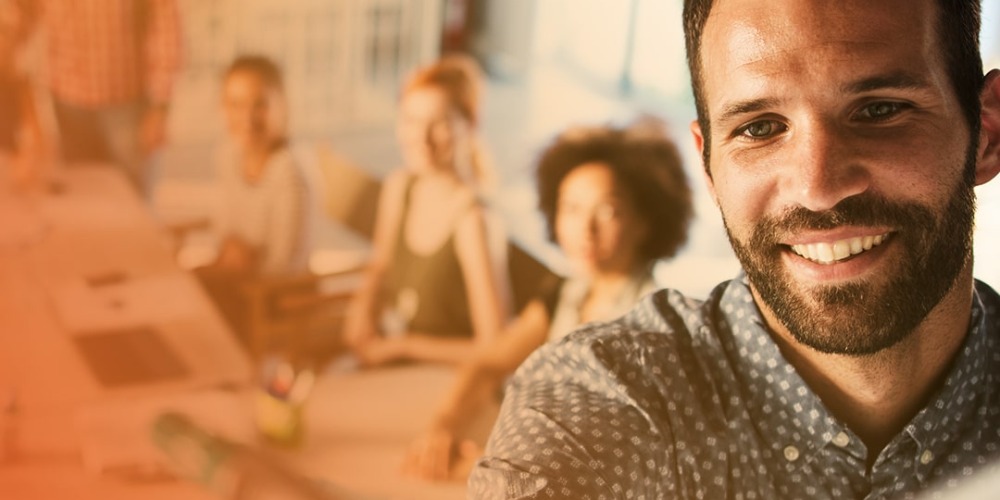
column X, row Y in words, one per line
column 693, row 400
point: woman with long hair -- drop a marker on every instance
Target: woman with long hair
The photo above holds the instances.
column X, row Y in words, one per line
column 437, row 286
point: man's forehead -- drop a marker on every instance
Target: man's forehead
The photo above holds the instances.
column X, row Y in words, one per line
column 762, row 37
column 772, row 25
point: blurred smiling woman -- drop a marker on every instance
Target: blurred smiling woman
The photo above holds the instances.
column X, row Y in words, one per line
column 437, row 286
column 262, row 207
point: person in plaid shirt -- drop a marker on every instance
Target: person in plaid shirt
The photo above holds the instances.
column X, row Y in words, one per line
column 110, row 68
column 22, row 144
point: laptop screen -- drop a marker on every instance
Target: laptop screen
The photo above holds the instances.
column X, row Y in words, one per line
column 127, row 356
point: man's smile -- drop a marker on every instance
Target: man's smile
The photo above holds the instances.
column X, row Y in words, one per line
column 839, row 250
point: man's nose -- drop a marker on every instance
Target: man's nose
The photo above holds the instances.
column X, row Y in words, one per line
column 825, row 167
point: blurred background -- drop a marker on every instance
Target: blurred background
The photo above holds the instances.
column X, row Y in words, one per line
column 550, row 63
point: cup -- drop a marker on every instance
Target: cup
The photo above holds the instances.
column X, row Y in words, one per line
column 280, row 403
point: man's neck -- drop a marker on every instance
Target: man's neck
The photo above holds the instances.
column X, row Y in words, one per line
column 877, row 395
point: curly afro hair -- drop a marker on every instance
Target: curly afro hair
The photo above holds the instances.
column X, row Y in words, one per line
column 645, row 163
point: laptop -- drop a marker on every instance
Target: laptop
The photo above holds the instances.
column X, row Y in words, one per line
column 130, row 356
column 138, row 330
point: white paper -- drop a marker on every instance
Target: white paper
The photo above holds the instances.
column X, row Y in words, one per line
column 91, row 213
column 82, row 307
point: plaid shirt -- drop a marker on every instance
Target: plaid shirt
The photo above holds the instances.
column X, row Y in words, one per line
column 107, row 52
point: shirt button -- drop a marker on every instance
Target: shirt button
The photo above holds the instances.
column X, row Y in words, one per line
column 791, row 453
column 926, row 457
column 842, row 439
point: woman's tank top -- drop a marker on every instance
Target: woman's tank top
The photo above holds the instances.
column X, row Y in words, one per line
column 428, row 292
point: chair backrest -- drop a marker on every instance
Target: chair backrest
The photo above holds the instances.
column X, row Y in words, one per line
column 349, row 192
column 527, row 274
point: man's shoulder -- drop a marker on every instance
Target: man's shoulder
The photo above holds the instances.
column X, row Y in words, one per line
column 665, row 313
column 987, row 300
column 604, row 407
column 988, row 294
column 665, row 325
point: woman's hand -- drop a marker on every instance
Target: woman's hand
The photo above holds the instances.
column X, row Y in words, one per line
column 359, row 326
column 438, row 455
column 235, row 256
column 378, row 351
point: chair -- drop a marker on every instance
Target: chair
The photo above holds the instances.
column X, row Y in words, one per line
column 302, row 313
column 348, row 193
column 527, row 274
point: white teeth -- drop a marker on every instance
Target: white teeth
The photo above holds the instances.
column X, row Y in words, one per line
column 841, row 250
column 857, row 245
column 828, row 253
column 824, row 252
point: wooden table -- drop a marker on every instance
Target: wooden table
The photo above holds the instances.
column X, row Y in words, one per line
column 85, row 222
column 360, row 425
column 88, row 222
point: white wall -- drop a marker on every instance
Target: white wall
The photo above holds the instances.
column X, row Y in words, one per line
column 343, row 59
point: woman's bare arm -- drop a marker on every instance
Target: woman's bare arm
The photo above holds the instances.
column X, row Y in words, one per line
column 360, row 324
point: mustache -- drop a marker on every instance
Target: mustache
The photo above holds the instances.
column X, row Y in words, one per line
column 864, row 209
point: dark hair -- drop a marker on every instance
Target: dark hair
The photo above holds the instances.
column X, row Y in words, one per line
column 957, row 29
column 645, row 163
column 258, row 65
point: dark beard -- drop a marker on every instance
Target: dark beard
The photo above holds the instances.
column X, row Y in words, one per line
column 864, row 318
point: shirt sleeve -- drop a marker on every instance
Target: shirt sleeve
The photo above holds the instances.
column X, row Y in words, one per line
column 570, row 428
column 163, row 49
column 222, row 219
column 285, row 241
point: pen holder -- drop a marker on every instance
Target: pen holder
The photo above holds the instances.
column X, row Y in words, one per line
column 279, row 403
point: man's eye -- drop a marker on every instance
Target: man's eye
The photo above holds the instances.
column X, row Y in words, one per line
column 761, row 129
column 878, row 111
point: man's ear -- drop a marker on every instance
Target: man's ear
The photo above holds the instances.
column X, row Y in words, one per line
column 699, row 142
column 988, row 158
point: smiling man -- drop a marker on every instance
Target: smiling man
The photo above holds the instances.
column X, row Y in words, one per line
column 856, row 357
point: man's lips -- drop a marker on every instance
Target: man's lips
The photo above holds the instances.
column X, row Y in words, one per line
column 830, row 252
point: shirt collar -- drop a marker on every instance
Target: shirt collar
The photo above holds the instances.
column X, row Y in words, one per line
column 961, row 396
column 788, row 415
column 796, row 423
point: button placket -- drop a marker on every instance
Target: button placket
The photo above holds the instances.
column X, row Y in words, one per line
column 841, row 440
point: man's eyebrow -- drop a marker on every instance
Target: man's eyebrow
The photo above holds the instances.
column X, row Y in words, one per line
column 900, row 80
column 743, row 107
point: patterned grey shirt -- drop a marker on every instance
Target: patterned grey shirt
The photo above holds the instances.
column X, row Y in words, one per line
column 690, row 399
